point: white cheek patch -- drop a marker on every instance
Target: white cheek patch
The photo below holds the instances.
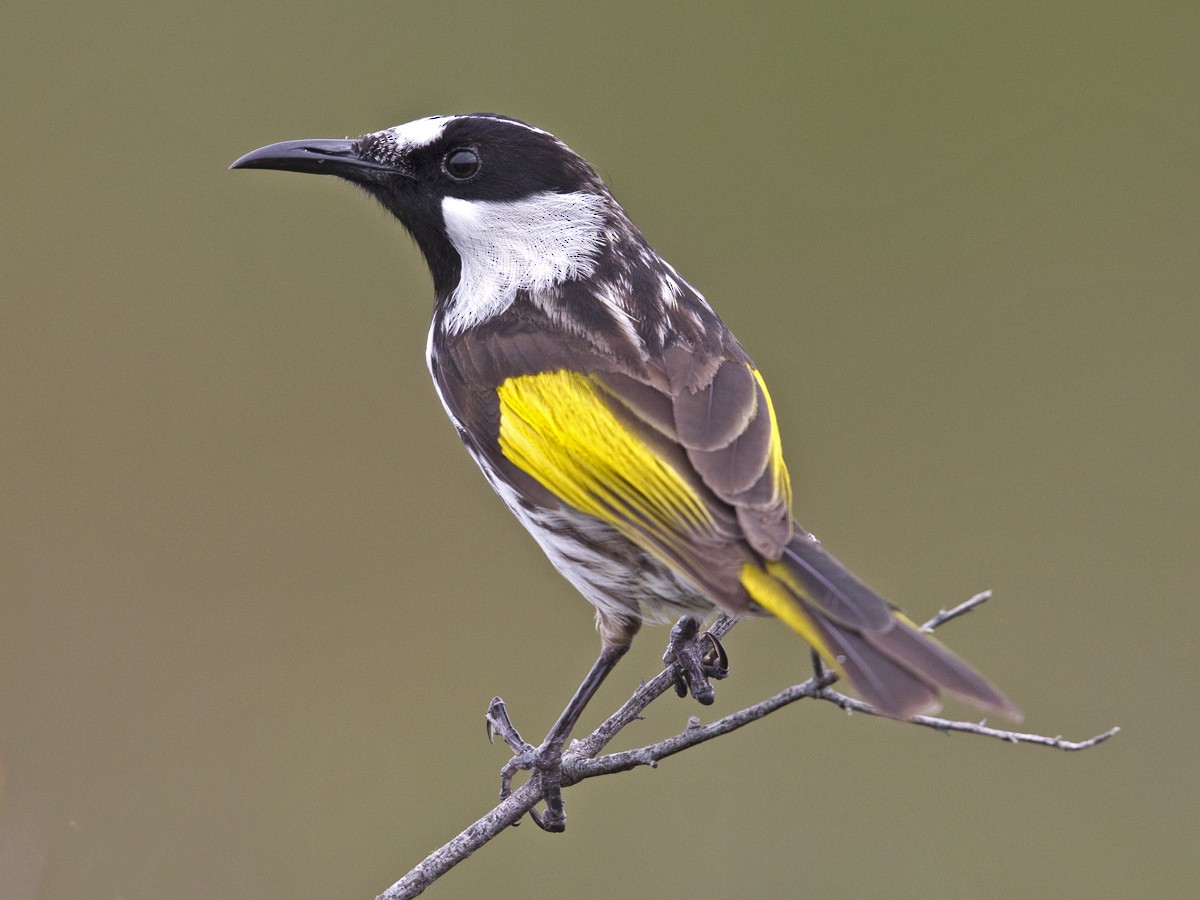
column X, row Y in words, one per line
column 508, row 246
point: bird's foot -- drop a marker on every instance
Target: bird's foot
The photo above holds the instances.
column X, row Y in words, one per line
column 544, row 763
column 698, row 658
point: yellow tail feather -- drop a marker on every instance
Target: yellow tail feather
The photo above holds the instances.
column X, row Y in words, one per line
column 771, row 589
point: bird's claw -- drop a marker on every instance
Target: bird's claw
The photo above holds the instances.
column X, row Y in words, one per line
column 543, row 763
column 498, row 723
column 698, row 658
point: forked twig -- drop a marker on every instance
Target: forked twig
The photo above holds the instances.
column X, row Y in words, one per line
column 581, row 760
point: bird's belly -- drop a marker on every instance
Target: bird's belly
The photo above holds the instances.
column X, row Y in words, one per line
column 616, row 576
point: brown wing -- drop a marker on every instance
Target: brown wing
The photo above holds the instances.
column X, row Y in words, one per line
column 691, row 430
column 717, row 410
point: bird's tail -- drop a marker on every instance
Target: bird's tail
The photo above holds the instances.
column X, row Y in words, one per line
column 893, row 665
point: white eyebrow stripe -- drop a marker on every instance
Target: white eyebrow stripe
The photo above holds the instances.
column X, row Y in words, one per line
column 419, row 132
column 423, row 132
column 524, row 125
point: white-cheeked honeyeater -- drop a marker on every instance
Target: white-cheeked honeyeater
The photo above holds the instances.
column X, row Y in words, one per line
column 611, row 409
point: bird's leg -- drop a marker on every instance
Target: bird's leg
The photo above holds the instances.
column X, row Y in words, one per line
column 699, row 658
column 545, row 762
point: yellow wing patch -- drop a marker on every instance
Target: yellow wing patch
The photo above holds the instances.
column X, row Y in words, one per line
column 556, row 427
column 783, row 482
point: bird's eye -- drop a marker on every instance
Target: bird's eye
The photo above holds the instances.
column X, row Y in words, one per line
column 461, row 164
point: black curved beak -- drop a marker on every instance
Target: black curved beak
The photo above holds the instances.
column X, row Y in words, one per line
column 317, row 157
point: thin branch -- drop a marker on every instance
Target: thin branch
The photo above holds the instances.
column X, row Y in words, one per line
column 509, row 811
column 946, row 726
column 582, row 761
column 963, row 608
column 577, row 766
column 506, row 813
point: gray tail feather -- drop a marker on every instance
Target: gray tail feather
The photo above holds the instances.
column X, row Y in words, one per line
column 892, row 665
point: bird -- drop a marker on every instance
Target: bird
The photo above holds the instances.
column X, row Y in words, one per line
column 614, row 413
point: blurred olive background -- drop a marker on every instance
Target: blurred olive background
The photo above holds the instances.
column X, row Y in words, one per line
column 255, row 597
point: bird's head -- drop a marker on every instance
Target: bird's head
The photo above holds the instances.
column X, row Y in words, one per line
column 485, row 196
column 504, row 211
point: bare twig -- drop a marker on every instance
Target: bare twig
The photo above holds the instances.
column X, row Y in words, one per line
column 946, row 726
column 582, row 761
column 507, row 812
column 578, row 766
column 963, row 608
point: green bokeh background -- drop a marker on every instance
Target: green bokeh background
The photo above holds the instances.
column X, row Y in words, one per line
column 254, row 598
